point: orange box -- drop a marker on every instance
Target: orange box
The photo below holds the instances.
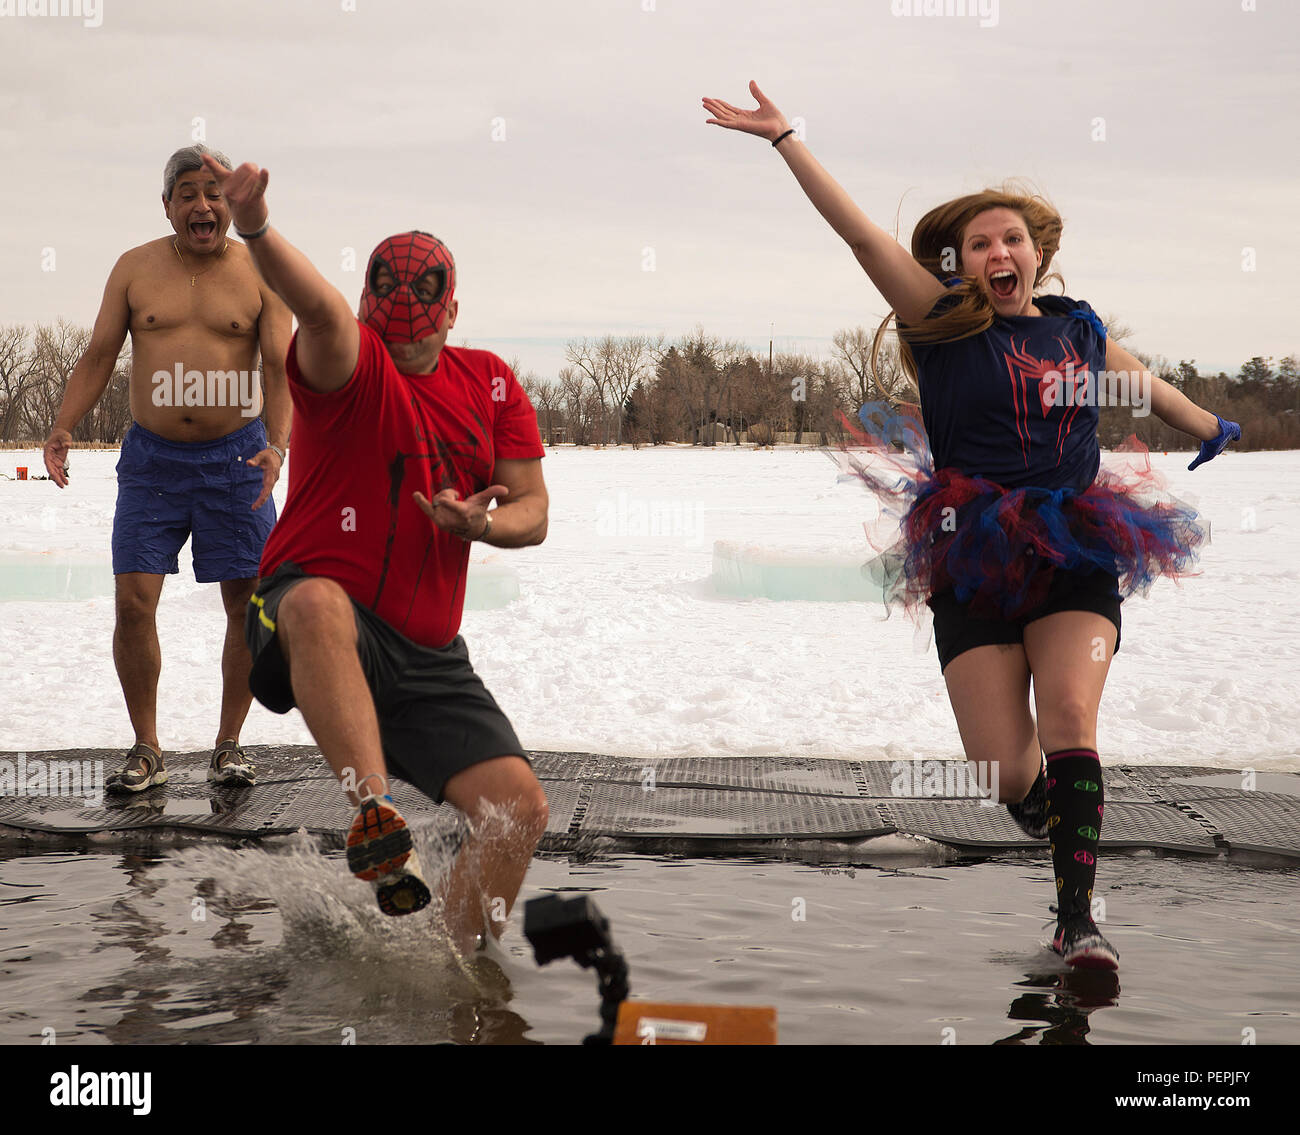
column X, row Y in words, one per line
column 658, row 1022
column 22, row 472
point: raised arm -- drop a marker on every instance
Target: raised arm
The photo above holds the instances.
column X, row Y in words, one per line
column 328, row 338
column 91, row 375
column 908, row 287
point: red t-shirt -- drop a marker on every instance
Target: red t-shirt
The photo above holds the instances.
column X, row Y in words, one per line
column 359, row 455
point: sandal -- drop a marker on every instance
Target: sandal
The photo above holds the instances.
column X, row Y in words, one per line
column 143, row 769
column 232, row 765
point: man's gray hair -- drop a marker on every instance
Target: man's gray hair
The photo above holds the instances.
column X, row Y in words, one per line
column 185, row 161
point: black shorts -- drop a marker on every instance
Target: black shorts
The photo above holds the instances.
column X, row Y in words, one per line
column 957, row 631
column 436, row 718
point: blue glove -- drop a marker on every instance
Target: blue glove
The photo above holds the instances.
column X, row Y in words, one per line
column 1228, row 431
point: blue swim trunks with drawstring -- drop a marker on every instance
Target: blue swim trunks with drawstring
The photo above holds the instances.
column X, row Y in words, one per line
column 170, row 490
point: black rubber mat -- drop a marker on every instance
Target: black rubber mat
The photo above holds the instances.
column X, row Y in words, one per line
column 1247, row 821
column 964, row 823
column 775, row 774
column 644, row 802
column 723, row 813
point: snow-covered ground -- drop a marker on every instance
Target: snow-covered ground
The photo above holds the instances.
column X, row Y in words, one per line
column 619, row 644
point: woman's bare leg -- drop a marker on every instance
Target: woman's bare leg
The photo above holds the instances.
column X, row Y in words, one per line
column 989, row 690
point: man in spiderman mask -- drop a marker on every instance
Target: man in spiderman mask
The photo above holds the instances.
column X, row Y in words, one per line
column 400, row 446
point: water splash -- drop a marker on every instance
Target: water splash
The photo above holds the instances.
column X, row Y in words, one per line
column 339, row 963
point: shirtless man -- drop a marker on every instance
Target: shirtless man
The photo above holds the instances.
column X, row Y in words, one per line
column 196, row 458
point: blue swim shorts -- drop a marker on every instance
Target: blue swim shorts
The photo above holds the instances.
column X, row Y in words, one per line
column 167, row 490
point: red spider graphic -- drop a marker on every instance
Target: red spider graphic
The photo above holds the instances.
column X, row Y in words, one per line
column 1050, row 377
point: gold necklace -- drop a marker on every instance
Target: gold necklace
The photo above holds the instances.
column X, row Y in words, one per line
column 209, row 268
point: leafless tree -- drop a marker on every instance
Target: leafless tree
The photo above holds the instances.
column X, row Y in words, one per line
column 20, row 374
column 545, row 395
column 886, row 381
column 1115, row 328
column 58, row 347
column 582, row 408
column 633, row 361
column 704, row 372
column 112, row 413
column 596, row 359
column 799, row 376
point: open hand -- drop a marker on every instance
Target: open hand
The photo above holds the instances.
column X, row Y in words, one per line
column 464, row 518
column 56, row 456
column 269, row 462
column 245, row 192
column 767, row 122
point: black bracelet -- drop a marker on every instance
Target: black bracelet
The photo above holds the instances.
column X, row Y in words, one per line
column 254, row 236
column 780, row 139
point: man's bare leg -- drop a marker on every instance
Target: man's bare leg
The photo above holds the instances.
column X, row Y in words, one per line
column 507, row 811
column 136, row 652
column 236, row 662
column 317, row 632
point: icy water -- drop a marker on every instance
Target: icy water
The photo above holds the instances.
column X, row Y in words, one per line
column 210, row 944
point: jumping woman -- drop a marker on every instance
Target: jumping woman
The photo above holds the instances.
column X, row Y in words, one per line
column 1019, row 541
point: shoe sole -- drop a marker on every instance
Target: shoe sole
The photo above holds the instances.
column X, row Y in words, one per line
column 1097, row 956
column 402, row 894
column 381, row 853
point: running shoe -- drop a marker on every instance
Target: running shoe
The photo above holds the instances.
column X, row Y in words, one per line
column 1081, row 945
column 380, row 851
column 231, row 765
column 143, row 769
column 1031, row 813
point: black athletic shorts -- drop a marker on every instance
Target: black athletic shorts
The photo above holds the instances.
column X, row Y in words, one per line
column 436, row 718
column 957, row 631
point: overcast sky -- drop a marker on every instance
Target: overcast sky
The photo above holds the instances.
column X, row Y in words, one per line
column 559, row 148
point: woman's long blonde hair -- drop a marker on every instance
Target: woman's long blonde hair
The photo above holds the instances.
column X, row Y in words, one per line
column 936, row 245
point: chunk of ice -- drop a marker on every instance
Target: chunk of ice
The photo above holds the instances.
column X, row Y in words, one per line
column 489, row 586
column 45, row 579
column 819, row 576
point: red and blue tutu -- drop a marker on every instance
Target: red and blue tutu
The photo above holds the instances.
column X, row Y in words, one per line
column 998, row 548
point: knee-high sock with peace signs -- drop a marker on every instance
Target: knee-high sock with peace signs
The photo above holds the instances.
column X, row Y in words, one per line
column 1074, row 810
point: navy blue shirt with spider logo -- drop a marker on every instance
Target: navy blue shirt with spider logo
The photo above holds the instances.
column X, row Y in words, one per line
column 1017, row 403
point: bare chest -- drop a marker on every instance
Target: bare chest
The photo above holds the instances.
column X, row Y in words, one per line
column 223, row 301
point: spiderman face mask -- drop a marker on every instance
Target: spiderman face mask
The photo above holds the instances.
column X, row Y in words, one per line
column 410, row 281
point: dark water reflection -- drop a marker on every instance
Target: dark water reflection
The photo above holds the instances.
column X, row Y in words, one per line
column 1065, row 1009
column 248, row 946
